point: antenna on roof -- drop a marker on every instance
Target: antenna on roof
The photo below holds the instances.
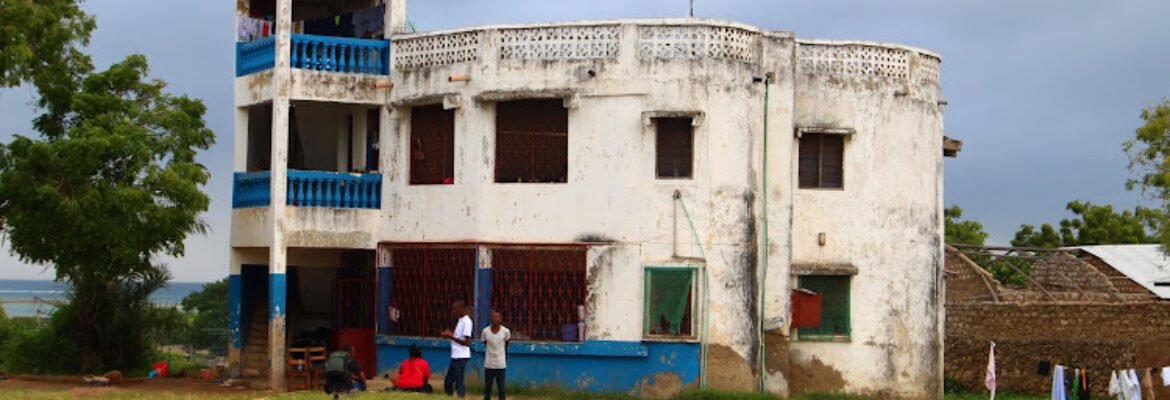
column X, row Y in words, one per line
column 692, row 8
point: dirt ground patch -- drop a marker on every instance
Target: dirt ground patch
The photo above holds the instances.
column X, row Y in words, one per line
column 72, row 386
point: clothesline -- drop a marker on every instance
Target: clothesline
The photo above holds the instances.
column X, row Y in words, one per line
column 1124, row 384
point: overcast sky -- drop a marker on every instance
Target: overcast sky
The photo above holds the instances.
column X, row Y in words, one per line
column 1042, row 92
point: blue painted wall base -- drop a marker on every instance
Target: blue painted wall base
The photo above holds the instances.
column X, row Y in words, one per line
column 599, row 366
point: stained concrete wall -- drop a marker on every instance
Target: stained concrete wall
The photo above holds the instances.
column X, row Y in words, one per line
column 886, row 221
column 612, row 191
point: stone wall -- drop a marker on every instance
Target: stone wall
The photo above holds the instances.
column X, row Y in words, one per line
column 1100, row 337
column 1063, row 272
column 966, row 281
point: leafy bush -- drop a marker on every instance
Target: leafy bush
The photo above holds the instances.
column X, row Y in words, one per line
column 38, row 351
column 210, row 308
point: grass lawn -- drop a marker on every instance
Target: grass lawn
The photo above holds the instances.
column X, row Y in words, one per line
column 37, row 394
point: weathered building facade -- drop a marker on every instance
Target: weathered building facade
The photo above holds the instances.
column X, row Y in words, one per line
column 639, row 198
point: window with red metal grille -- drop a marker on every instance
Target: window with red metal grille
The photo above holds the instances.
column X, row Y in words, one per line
column 532, row 141
column 539, row 292
column 425, row 281
column 432, row 145
column 674, row 147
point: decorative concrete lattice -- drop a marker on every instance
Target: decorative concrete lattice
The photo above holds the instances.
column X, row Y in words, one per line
column 560, row 43
column 927, row 71
column 697, row 42
column 430, row 51
column 854, row 60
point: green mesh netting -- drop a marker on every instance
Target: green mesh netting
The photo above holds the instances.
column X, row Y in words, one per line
column 669, row 292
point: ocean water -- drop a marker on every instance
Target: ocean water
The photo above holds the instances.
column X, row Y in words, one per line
column 27, row 298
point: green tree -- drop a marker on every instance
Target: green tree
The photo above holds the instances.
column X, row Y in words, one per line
column 1092, row 225
column 1149, row 159
column 41, row 43
column 210, row 305
column 962, row 232
column 99, row 202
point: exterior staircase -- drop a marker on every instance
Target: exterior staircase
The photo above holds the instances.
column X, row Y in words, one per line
column 255, row 355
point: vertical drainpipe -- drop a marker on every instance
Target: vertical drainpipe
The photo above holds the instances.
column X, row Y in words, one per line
column 764, row 243
column 277, row 257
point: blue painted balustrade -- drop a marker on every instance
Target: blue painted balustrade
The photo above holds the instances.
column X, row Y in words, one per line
column 318, row 53
column 334, row 189
column 255, row 56
column 251, row 189
column 311, row 189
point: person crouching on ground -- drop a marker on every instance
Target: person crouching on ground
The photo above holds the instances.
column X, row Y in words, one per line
column 460, row 350
column 342, row 372
column 495, row 343
column 414, row 373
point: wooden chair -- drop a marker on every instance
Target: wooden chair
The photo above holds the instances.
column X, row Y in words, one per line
column 317, row 357
column 298, row 369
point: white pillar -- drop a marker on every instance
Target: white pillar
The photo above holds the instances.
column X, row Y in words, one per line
column 277, row 257
column 395, row 17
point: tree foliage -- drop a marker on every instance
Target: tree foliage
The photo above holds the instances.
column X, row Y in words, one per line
column 1092, row 225
column 1149, row 159
column 41, row 43
column 100, row 200
column 962, row 232
column 210, row 305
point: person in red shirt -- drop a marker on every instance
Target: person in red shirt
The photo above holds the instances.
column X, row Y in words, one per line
column 414, row 373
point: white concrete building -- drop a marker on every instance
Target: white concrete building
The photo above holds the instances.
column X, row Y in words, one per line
column 642, row 199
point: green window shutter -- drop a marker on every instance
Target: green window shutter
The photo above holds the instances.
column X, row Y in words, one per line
column 668, row 301
column 834, row 291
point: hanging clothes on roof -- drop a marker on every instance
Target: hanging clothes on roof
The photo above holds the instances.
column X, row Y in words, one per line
column 1114, row 385
column 1058, row 392
column 1147, row 384
column 1085, row 392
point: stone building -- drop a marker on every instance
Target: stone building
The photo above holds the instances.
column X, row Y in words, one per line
column 639, row 198
column 1100, row 308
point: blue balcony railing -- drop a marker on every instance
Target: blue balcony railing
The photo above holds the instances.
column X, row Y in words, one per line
column 318, row 53
column 336, row 54
column 311, row 189
column 252, row 189
column 256, row 56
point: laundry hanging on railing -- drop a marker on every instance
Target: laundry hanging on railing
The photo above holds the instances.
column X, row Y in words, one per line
column 249, row 29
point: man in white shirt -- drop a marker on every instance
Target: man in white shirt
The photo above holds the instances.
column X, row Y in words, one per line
column 495, row 343
column 460, row 350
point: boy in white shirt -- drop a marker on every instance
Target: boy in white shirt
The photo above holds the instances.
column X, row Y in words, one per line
column 460, row 350
column 495, row 345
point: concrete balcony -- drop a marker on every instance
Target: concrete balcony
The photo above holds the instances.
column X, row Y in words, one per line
column 323, row 68
column 325, row 210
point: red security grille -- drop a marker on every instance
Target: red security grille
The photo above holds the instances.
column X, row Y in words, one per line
column 432, row 145
column 532, row 141
column 425, row 281
column 539, row 291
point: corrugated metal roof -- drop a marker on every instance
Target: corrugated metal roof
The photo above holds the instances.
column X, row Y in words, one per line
column 1143, row 263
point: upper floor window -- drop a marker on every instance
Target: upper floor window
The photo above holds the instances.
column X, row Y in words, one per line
column 822, row 160
column 532, row 141
column 432, row 145
column 674, row 147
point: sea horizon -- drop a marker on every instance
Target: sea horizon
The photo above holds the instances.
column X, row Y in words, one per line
column 36, row 297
